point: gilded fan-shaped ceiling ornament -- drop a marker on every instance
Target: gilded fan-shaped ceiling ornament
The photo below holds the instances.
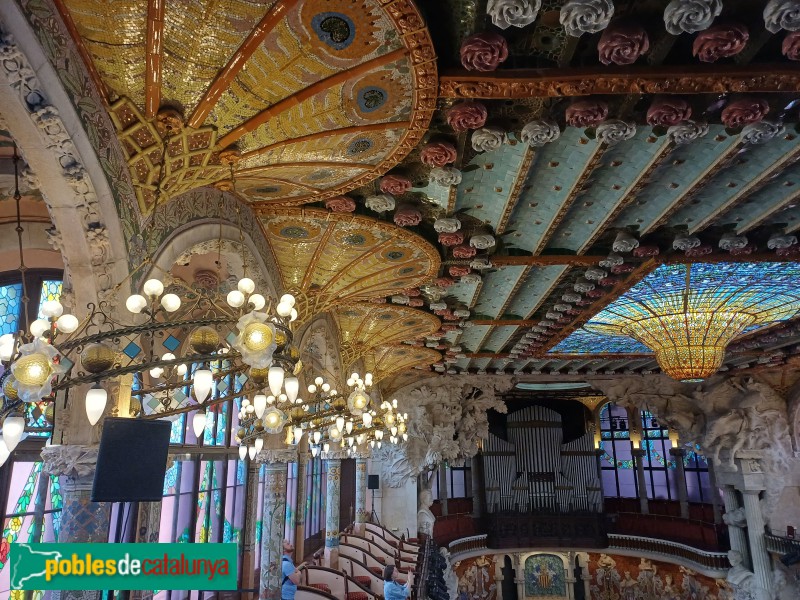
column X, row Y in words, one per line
column 388, row 361
column 311, row 97
column 332, row 259
column 365, row 326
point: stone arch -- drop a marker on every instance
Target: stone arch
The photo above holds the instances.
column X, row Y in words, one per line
column 319, row 343
column 86, row 228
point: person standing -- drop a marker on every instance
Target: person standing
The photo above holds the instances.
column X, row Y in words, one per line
column 392, row 589
column 291, row 574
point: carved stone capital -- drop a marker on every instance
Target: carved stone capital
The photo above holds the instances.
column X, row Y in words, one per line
column 75, row 463
column 277, row 455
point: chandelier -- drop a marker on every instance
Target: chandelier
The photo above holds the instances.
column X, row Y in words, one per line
column 688, row 314
column 328, row 418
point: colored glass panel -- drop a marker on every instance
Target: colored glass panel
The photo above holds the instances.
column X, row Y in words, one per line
column 51, row 290
column 10, row 302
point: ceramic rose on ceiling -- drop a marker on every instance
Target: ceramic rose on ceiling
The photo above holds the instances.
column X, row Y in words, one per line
column 614, row 131
column 586, row 16
column 687, row 132
column 451, row 239
column 791, row 46
column 447, row 225
column 691, row 16
column 623, row 44
column 466, row 115
column 380, row 203
column 586, row 113
column 666, row 111
column 720, row 41
column 540, row 132
column 487, row 139
column 782, row 14
column 340, row 204
column 762, row 132
column 484, row 51
column 744, row 111
column 438, row 154
column 397, row 185
column 513, row 13
column 482, row 241
column 445, row 176
column 407, row 216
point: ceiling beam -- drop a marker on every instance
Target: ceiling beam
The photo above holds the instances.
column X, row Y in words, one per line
column 312, row 90
column 154, row 47
column 229, row 72
column 545, row 260
column 682, row 79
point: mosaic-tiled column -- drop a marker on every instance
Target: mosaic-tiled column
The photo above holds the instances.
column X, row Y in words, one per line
column 148, row 524
column 82, row 521
column 334, row 485
column 638, row 457
column 273, row 520
column 300, row 508
column 362, row 516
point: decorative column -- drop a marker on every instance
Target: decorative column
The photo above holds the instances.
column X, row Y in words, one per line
column 362, row 516
column 443, row 487
column 251, row 508
column 638, row 457
column 749, row 463
column 712, row 480
column 478, row 492
column 735, row 520
column 300, row 506
column 519, row 575
column 273, row 520
column 81, row 519
column 148, row 521
column 680, row 474
column 334, row 485
column 499, row 563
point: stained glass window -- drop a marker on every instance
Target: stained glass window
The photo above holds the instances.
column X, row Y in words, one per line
column 51, row 290
column 10, row 303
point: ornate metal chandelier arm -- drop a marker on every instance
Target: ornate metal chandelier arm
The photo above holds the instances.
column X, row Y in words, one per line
column 22, row 268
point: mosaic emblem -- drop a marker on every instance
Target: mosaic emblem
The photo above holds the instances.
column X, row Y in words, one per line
column 371, row 98
column 354, row 239
column 385, row 316
column 294, row 232
column 335, row 29
column 320, row 175
column 406, row 270
column 359, row 146
column 395, row 255
column 269, row 189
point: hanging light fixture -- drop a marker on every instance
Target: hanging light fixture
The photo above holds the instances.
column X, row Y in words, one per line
column 96, row 399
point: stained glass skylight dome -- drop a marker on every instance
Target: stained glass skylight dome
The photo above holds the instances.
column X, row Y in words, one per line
column 688, row 314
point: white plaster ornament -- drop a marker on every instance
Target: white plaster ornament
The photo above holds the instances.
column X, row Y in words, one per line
column 513, row 13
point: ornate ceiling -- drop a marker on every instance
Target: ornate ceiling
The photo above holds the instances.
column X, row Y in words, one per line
column 510, row 168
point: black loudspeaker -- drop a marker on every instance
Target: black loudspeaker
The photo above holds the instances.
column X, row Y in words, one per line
column 131, row 461
column 373, row 482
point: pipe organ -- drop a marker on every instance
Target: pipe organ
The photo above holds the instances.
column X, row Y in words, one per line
column 536, row 471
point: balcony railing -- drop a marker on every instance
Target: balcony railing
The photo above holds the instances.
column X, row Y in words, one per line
column 468, row 544
column 715, row 561
column 545, row 530
column 781, row 545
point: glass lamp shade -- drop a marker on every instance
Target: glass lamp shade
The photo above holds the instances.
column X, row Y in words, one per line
column 96, row 399
column 259, row 444
column 319, row 381
column 5, row 452
column 199, row 423
column 292, row 386
column 13, row 427
column 298, row 434
column 153, row 288
column 257, row 336
column 340, row 423
column 393, row 430
column 235, row 298
column 242, row 452
column 251, row 452
column 274, row 420
column 135, row 303
column 288, row 299
column 275, row 380
column 293, row 315
column 6, row 351
column 349, row 427
column 405, row 437
column 325, row 447
column 171, row 302
column 260, row 404
column 366, row 418
column 246, row 285
column 258, row 301
column 372, row 443
column 335, row 434
column 38, row 327
column 283, row 309
column 314, row 451
column 312, row 389
column 203, row 382
column 33, row 369
column 317, row 437
column 52, row 309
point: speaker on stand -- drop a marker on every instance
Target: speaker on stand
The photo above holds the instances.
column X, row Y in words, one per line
column 374, row 483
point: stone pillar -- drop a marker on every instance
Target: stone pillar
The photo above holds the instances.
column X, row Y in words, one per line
column 362, row 516
column 638, row 457
column 519, row 575
column 147, row 532
column 334, row 484
column 734, row 519
column 570, row 581
column 273, row 519
column 680, row 475
column 300, row 507
column 478, row 492
column 499, row 563
column 749, row 463
column 443, row 487
column 712, row 479
column 82, row 521
column 251, row 508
